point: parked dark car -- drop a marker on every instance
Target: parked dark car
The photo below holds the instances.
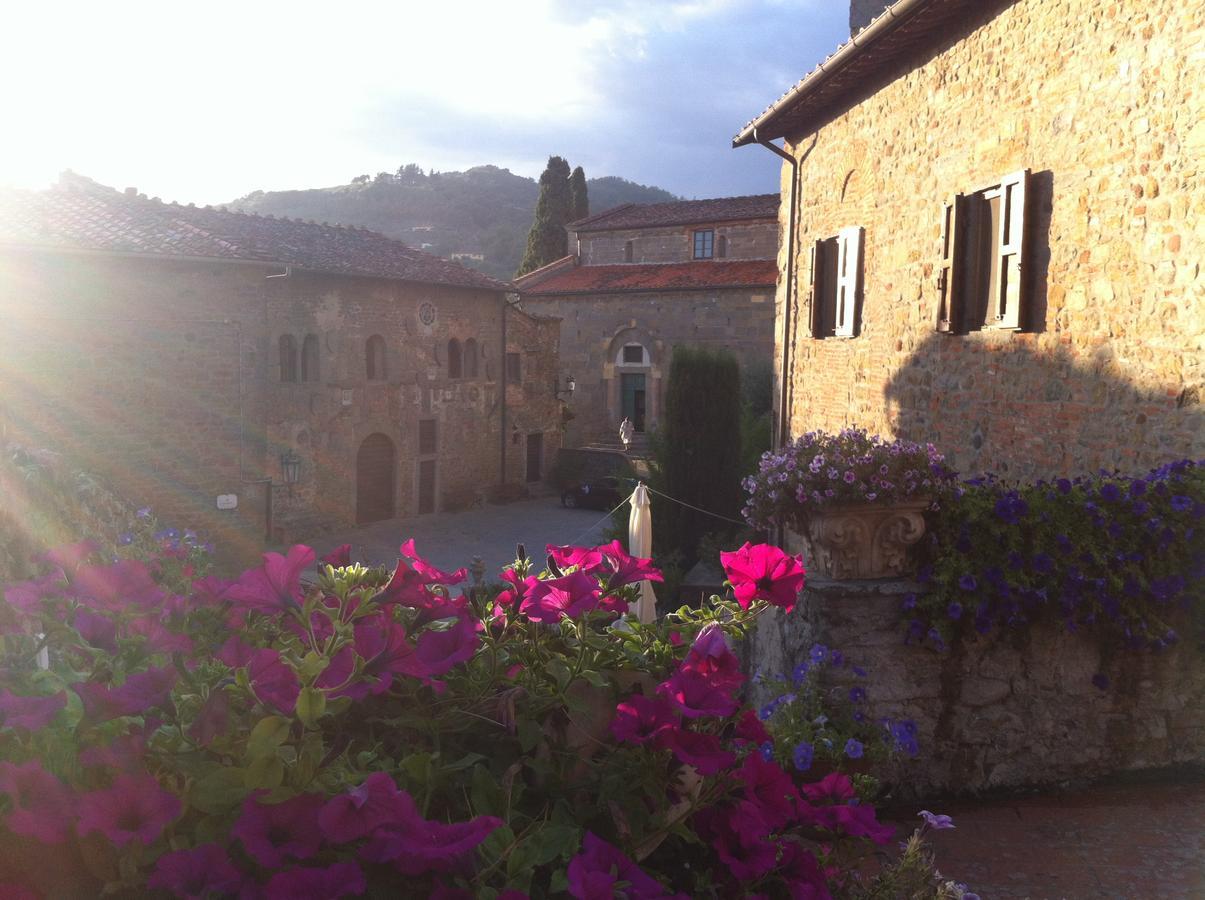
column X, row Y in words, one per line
column 598, row 493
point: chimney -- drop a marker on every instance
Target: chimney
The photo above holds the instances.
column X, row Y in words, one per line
column 862, row 11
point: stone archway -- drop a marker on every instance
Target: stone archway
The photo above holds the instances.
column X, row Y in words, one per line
column 376, row 479
column 633, row 378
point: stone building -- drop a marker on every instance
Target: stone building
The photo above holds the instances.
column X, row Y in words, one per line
column 995, row 216
column 644, row 278
column 252, row 376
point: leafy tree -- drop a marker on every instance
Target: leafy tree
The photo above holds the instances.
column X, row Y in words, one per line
column 700, row 448
column 383, row 178
column 361, row 179
column 579, row 199
column 547, row 241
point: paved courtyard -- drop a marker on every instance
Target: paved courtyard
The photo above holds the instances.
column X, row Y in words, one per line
column 451, row 540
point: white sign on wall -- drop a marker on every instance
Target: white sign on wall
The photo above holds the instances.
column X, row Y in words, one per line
column 227, row 501
column 347, row 395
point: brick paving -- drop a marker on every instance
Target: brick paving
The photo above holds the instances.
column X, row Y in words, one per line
column 1140, row 841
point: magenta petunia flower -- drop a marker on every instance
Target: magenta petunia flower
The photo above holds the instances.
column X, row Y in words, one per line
column 585, row 559
column 798, row 868
column 416, row 846
column 272, row 681
column 96, row 629
column 40, row 806
column 640, row 719
column 381, row 642
column 27, row 596
column 518, row 589
column 274, row 587
column 339, row 557
column 133, row 807
column 749, row 728
column 359, row 811
column 763, row 573
column 702, row 752
column 738, row 835
column 30, row 713
column 69, row 557
column 430, row 573
column 834, row 787
column 570, row 595
column 769, row 788
column 597, row 870
column 199, row 873
column 272, row 833
column 117, row 587
column 342, row 879
column 211, row 591
column 235, row 652
column 626, row 569
column 140, row 692
column 125, row 753
column 696, row 696
column 214, row 718
column 437, row 652
column 710, row 658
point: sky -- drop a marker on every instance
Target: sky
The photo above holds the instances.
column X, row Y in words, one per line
column 206, row 102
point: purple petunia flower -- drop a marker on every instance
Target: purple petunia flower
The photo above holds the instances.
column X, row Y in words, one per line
column 954, row 611
column 272, row 833
column 968, row 582
column 1180, row 503
column 203, row 871
column 818, row 653
column 853, row 748
column 857, row 695
column 135, row 806
column 803, row 756
column 936, row 821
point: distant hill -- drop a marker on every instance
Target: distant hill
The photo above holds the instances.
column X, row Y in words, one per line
column 483, row 212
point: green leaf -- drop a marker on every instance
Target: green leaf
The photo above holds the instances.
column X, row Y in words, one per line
column 312, row 664
column 552, row 842
column 311, row 704
column 218, row 791
column 418, row 767
column 266, row 736
column 596, row 679
column 265, row 772
column 469, row 759
column 497, row 842
column 560, row 882
column 486, row 793
column 530, row 734
column 559, row 672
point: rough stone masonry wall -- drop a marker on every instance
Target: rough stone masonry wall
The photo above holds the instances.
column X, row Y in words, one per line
column 1104, row 102
column 995, row 713
column 745, row 240
column 594, row 327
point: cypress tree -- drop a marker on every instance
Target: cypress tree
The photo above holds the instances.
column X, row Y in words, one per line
column 579, row 198
column 700, row 448
column 547, row 240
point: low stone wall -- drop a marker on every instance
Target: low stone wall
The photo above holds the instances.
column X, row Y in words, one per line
column 1004, row 711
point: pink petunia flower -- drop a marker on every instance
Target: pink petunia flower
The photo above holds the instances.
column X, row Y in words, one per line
column 798, row 868
column 41, row 806
column 711, row 659
column 140, row 692
column 596, row 871
column 381, row 642
column 68, row 557
column 517, row 592
column 134, row 807
column 702, row 752
column 235, row 652
column 30, row 713
column 213, row 719
column 770, row 789
column 586, row 559
column 738, row 835
column 201, row 872
column 627, row 569
column 570, row 595
column 359, row 811
column 341, row 879
column 438, row 652
column 272, row 833
column 272, row 681
column 339, row 557
column 764, row 573
column 117, row 587
column 430, row 573
column 696, row 696
column 416, row 846
column 640, row 719
column 749, row 728
column 274, row 587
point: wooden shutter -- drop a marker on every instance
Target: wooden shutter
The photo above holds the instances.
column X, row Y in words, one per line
column 949, row 276
column 817, row 279
column 849, row 281
column 1009, row 299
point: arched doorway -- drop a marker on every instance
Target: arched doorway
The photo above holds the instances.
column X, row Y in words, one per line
column 376, row 467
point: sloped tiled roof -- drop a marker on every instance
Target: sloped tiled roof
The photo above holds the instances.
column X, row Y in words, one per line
column 687, row 276
column 681, row 212
column 107, row 221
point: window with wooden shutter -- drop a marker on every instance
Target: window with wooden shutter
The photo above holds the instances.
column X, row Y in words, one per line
column 848, row 281
column 981, row 280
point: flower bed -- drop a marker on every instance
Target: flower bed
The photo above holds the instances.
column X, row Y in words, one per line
column 327, row 730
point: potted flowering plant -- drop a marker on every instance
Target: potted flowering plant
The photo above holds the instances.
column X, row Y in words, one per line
column 856, row 499
column 323, row 729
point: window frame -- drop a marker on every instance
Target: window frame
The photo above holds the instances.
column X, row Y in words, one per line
column 455, row 359
column 311, row 353
column 706, row 238
column 286, row 347
column 428, row 447
column 470, row 358
column 837, row 282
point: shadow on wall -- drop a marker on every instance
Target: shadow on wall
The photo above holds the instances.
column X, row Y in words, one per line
column 1001, row 403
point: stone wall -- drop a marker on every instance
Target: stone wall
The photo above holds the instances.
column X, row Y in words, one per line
column 594, row 328
column 999, row 712
column 744, row 240
column 1102, row 101
column 164, row 377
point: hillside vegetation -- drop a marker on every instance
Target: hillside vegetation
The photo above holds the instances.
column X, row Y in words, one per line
column 484, row 210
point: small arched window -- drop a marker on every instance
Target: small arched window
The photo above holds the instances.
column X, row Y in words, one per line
column 470, row 358
column 721, row 246
column 455, row 368
column 288, row 358
column 309, row 358
column 375, row 358
column 628, row 251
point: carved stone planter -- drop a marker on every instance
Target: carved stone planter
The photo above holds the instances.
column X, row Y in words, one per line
column 866, row 540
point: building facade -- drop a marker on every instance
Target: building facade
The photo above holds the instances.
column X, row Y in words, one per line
column 645, row 278
column 995, row 217
column 255, row 377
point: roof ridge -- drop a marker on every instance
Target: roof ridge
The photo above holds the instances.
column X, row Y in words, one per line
column 602, row 215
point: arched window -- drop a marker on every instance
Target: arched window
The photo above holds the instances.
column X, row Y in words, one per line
column 309, row 358
column 375, row 356
column 470, row 358
column 455, row 369
column 288, row 358
column 721, row 246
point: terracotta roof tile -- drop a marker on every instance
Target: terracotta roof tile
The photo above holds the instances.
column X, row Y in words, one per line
column 685, row 276
column 681, row 212
column 119, row 223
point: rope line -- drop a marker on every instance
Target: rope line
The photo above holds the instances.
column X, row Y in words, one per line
column 624, row 501
column 695, row 508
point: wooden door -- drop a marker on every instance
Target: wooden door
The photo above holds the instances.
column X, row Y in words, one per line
column 426, row 486
column 535, row 457
column 375, row 468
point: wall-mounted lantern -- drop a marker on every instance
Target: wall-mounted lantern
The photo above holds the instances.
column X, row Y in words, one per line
column 290, row 468
column 567, row 390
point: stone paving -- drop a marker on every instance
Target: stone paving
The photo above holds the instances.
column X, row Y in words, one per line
column 450, row 540
column 1139, row 841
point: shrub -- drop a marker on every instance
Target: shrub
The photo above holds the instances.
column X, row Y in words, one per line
column 325, row 731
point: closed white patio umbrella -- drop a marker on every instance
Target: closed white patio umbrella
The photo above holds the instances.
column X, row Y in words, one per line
column 640, row 543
